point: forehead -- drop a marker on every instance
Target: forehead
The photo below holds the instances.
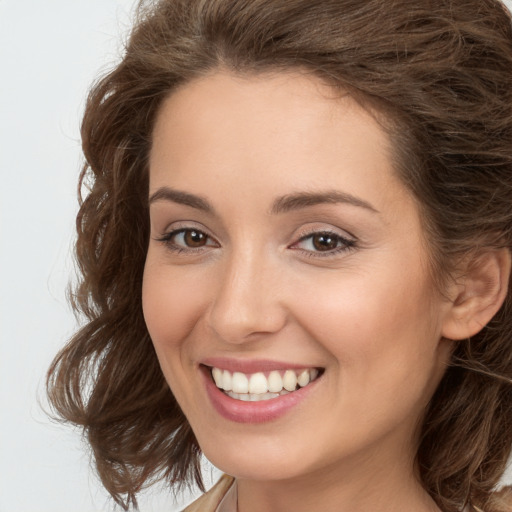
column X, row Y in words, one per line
column 283, row 130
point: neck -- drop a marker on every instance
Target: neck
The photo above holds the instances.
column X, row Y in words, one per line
column 372, row 486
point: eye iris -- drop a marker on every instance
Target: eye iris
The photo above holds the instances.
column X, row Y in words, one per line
column 194, row 238
column 324, row 242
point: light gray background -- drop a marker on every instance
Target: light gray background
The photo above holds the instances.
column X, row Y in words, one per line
column 50, row 51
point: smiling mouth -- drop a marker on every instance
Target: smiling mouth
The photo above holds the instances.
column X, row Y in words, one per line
column 261, row 386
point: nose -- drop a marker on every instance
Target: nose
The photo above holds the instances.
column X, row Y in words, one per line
column 247, row 300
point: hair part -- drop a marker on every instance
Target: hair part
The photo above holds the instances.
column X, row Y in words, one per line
column 439, row 75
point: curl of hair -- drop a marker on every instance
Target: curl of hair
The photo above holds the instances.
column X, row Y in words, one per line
column 440, row 72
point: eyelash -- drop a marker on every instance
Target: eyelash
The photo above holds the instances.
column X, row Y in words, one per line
column 346, row 243
column 167, row 239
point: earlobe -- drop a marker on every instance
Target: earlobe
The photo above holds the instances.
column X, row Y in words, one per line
column 478, row 294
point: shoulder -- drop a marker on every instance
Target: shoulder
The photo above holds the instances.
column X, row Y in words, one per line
column 209, row 501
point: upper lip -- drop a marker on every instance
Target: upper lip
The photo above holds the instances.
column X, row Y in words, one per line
column 250, row 366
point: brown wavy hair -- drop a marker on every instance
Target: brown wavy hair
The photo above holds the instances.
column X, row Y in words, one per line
column 439, row 72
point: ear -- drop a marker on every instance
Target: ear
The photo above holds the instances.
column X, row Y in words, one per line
column 478, row 294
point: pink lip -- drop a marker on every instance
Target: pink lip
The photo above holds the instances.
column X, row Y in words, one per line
column 252, row 412
column 250, row 366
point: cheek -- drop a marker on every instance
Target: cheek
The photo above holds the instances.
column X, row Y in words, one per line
column 383, row 352
column 171, row 307
column 370, row 305
column 376, row 326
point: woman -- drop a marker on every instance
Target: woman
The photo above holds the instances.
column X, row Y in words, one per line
column 295, row 253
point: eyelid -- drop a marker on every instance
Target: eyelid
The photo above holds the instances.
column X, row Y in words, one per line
column 176, row 228
column 349, row 242
column 314, row 228
column 185, row 224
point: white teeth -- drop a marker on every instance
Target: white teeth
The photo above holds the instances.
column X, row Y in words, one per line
column 258, row 387
column 253, row 397
column 303, row 378
column 290, row 380
column 258, row 383
column 240, row 383
column 227, row 382
column 275, row 382
column 217, row 377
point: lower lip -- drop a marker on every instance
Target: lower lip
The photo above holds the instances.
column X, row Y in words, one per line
column 253, row 412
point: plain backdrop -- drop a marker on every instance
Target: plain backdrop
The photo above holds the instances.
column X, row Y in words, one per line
column 50, row 51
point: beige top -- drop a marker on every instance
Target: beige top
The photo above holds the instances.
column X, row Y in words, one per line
column 220, row 498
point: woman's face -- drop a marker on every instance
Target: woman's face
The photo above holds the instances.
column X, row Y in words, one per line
column 284, row 247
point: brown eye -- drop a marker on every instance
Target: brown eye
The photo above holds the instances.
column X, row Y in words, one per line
column 325, row 241
column 193, row 238
column 187, row 239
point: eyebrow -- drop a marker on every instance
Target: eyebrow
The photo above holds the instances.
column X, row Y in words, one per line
column 180, row 197
column 304, row 199
column 282, row 204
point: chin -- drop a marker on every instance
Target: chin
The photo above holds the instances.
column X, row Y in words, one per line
column 260, row 461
